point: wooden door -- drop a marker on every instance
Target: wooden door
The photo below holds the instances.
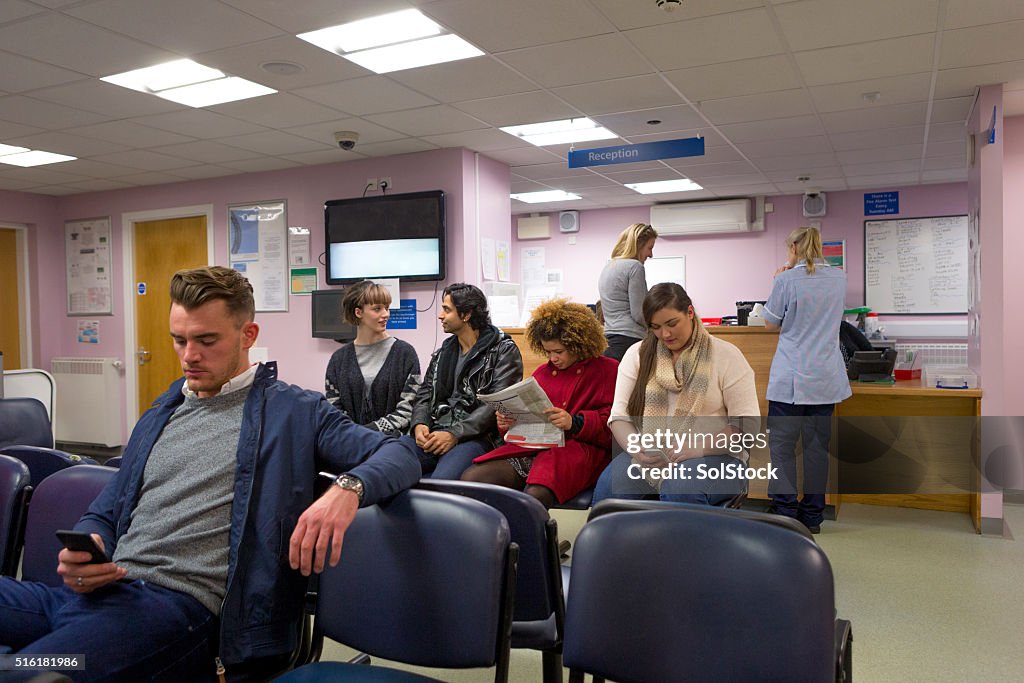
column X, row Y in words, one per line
column 10, row 300
column 162, row 248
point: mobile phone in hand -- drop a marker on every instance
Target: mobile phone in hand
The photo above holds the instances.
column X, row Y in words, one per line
column 80, row 541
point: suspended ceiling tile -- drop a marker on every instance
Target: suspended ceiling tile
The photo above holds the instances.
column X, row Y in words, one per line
column 145, row 160
column 308, row 15
column 772, row 129
column 577, row 61
column 19, row 73
column 371, row 94
column 79, row 46
column 33, row 112
column 318, row 66
column 623, row 94
column 961, row 82
column 814, row 174
column 683, row 44
column 129, row 134
column 890, row 153
column 498, row 25
column 963, row 13
column 522, row 156
column 324, row 132
column 281, row 110
column 207, row 151
column 675, row 118
column 770, row 105
column 325, row 157
column 404, row 146
column 204, row 171
column 876, row 117
column 111, row 101
column 882, row 137
column 427, row 121
column 275, row 142
column 815, row 24
column 512, row 110
column 865, row 61
column 484, row 140
column 197, row 123
column 732, row 79
column 260, row 165
column 986, row 44
column 795, row 162
column 892, row 90
column 464, row 79
column 627, row 15
column 199, row 25
column 64, row 143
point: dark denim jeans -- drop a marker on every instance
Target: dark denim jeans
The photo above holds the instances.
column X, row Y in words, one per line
column 126, row 631
column 452, row 464
column 787, row 423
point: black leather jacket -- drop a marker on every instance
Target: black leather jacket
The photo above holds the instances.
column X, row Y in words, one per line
column 494, row 363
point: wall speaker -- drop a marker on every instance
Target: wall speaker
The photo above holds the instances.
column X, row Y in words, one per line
column 569, row 221
column 813, row 204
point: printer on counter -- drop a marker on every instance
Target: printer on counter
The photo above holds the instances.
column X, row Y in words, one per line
column 744, row 309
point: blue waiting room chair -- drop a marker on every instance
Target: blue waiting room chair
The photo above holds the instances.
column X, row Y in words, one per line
column 693, row 593
column 538, row 620
column 426, row 579
column 14, row 492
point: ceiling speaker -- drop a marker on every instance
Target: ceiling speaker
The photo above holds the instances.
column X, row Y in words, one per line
column 814, row 204
column 569, row 221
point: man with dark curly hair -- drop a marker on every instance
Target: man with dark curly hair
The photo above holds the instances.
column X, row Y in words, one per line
column 450, row 425
column 581, row 385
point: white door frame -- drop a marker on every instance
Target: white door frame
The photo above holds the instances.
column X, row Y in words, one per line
column 24, row 291
column 128, row 221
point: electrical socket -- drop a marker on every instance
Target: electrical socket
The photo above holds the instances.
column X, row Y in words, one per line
column 371, row 185
column 385, row 184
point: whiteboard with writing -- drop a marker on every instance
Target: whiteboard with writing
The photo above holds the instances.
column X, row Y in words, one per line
column 916, row 266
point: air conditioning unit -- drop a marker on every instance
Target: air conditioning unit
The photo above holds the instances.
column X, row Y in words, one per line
column 704, row 218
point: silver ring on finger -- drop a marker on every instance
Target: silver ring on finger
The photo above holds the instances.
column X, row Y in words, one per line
column 78, row 581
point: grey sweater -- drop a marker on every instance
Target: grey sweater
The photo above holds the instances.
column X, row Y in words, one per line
column 179, row 533
column 623, row 286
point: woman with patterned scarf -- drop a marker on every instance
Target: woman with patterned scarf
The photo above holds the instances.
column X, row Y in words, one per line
column 685, row 405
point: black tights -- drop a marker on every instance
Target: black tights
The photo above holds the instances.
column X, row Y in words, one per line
column 501, row 473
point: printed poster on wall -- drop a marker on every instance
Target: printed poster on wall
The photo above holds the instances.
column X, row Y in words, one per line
column 258, row 248
column 834, row 252
column 87, row 256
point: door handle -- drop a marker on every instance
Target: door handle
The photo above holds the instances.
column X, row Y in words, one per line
column 143, row 355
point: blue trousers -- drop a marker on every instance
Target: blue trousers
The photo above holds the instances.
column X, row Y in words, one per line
column 452, row 464
column 126, row 631
column 788, row 423
column 615, row 482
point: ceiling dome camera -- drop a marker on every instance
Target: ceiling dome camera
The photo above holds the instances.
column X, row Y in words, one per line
column 668, row 5
column 346, row 139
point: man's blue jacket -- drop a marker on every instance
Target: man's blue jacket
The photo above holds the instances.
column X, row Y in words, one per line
column 287, row 435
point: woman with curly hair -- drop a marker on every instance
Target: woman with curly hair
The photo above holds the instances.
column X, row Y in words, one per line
column 581, row 385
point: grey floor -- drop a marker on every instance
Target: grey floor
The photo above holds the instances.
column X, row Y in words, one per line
column 929, row 599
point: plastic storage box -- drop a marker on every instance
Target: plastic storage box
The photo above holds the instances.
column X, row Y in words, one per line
column 950, row 377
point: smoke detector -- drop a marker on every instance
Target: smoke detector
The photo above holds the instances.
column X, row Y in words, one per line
column 669, row 5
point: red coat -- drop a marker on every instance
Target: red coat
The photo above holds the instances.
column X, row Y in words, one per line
column 587, row 388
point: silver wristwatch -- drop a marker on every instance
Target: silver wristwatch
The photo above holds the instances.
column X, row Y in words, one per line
column 350, row 483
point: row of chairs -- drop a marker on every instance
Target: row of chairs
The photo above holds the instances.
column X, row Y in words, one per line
column 436, row 570
column 665, row 592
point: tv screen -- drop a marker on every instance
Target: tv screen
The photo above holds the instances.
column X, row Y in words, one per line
column 399, row 235
column 327, row 320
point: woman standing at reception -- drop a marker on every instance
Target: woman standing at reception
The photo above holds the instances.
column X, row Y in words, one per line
column 807, row 377
column 623, row 286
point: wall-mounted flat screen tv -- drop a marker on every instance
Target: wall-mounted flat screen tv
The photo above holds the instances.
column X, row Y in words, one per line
column 400, row 235
column 327, row 320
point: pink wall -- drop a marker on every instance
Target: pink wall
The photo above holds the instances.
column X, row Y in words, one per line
column 1013, row 246
column 302, row 359
column 723, row 269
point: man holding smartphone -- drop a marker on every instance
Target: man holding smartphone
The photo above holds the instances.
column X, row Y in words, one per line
column 216, row 486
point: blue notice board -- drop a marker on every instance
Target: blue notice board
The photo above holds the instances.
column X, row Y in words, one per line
column 405, row 317
column 643, row 151
column 881, row 203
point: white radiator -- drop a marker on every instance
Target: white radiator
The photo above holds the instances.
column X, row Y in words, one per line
column 89, row 400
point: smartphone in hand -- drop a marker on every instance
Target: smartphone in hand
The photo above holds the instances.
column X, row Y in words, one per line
column 80, row 541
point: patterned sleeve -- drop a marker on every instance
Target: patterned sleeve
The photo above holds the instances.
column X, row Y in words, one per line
column 398, row 421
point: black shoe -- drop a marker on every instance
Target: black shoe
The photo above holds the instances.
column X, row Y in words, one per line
column 813, row 528
column 563, row 549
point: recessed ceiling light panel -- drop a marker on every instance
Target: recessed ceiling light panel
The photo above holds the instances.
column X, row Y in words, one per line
column 545, row 196
column 34, row 158
column 436, row 50
column 11, row 149
column 386, row 29
column 222, row 90
column 561, row 132
column 153, row 79
column 661, row 186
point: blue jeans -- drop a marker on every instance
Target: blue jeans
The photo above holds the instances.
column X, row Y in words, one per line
column 126, row 631
column 452, row 464
column 615, row 482
column 788, row 423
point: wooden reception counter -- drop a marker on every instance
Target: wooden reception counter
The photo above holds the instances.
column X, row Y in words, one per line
column 919, row 441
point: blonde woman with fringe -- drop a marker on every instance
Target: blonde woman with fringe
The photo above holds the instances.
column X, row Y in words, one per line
column 808, row 376
column 622, row 286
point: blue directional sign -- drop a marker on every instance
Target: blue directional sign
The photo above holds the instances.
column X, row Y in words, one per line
column 881, row 203
column 643, row 151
